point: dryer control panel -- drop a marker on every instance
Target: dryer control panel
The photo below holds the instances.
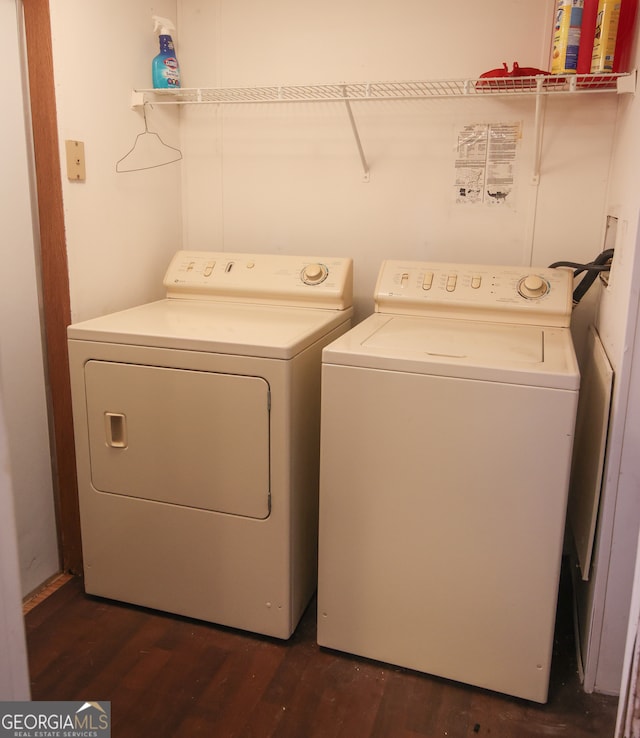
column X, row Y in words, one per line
column 301, row 281
column 503, row 294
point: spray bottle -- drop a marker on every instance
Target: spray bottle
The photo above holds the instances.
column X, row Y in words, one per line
column 165, row 69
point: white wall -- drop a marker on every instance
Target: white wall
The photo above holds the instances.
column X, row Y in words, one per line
column 14, row 675
column 122, row 229
column 288, row 178
column 27, row 421
column 630, row 484
column 21, row 353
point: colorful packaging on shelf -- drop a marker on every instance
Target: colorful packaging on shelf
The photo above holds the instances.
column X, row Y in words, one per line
column 587, row 34
column 566, row 36
column 624, row 38
column 604, row 42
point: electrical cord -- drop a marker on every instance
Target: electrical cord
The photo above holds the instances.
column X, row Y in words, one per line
column 602, row 263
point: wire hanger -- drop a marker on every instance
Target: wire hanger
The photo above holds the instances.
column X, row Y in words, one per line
column 148, row 146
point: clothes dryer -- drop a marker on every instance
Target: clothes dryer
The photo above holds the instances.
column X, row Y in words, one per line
column 447, row 428
column 197, row 438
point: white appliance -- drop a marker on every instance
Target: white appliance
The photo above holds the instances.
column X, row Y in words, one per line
column 446, row 437
column 197, row 438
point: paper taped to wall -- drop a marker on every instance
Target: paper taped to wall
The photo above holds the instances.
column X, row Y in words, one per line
column 485, row 162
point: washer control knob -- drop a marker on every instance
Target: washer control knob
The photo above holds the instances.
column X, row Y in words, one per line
column 533, row 286
column 314, row 273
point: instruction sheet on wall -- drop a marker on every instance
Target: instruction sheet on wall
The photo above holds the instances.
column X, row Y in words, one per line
column 485, row 166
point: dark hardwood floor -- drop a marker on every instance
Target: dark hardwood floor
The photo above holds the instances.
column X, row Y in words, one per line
column 172, row 677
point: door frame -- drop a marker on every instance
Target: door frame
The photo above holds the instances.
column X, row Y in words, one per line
column 54, row 276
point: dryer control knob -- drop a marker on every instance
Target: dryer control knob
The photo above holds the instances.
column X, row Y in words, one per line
column 314, row 273
column 533, row 286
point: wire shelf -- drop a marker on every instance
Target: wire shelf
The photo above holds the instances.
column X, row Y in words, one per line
column 411, row 90
column 538, row 87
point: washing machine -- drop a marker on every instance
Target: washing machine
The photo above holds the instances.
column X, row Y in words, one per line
column 197, row 438
column 446, row 436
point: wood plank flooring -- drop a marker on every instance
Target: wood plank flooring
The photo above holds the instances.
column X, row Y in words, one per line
column 172, row 677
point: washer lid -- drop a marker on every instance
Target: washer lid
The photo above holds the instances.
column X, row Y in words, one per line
column 519, row 354
column 245, row 330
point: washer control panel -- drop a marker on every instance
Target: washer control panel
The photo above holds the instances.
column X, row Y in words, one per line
column 506, row 294
column 324, row 282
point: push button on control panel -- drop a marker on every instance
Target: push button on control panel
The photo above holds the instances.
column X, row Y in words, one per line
column 427, row 281
column 476, row 281
column 452, row 280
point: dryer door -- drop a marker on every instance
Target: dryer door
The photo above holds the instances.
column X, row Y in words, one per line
column 193, row 438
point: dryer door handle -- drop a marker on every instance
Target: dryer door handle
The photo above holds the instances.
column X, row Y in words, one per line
column 115, row 425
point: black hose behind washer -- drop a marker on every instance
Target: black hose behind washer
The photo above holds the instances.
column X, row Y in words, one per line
column 600, row 264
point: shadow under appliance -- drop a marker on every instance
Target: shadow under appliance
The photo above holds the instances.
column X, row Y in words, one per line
column 447, row 429
column 197, row 438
